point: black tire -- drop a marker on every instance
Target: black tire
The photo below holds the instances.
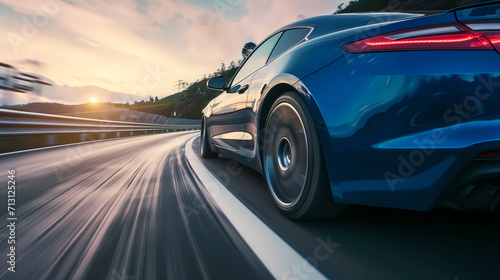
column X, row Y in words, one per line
column 206, row 152
column 293, row 162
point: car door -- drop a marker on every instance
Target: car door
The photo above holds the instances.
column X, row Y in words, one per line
column 228, row 119
column 260, row 79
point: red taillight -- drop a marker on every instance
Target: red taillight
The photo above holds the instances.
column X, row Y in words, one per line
column 492, row 154
column 436, row 37
column 494, row 37
column 490, row 28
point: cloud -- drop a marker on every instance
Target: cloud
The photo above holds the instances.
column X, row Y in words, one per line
column 142, row 6
column 33, row 62
column 89, row 42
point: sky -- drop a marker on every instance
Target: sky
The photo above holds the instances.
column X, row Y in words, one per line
column 129, row 50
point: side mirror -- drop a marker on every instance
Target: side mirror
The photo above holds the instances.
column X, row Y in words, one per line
column 217, row 83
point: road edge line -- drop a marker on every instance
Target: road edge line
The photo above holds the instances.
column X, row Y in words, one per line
column 274, row 252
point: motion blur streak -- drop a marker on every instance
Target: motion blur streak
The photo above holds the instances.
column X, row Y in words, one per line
column 119, row 209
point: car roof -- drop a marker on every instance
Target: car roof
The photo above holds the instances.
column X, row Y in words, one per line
column 337, row 22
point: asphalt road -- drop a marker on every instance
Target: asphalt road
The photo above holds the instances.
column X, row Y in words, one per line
column 133, row 208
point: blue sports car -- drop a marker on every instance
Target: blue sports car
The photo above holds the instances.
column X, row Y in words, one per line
column 384, row 109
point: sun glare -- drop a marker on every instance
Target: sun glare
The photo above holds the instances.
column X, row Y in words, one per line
column 93, row 100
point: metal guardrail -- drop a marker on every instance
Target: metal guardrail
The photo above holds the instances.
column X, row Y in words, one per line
column 23, row 130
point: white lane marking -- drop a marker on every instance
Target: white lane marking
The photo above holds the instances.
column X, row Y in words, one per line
column 277, row 255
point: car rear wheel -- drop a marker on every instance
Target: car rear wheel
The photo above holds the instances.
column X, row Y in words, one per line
column 206, row 152
column 293, row 162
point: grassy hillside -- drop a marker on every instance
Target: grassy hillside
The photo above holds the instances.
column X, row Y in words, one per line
column 425, row 6
column 185, row 104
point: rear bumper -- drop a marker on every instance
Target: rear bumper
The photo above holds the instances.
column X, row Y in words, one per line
column 421, row 177
column 399, row 136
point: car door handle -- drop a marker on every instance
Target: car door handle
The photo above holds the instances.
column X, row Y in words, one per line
column 243, row 89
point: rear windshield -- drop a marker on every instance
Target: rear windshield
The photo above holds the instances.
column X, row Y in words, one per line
column 333, row 23
column 479, row 13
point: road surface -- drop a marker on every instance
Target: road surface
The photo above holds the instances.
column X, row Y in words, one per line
column 134, row 208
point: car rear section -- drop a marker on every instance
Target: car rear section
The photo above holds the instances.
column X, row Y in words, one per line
column 409, row 114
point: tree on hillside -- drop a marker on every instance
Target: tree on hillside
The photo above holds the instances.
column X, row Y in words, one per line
column 339, row 8
column 247, row 49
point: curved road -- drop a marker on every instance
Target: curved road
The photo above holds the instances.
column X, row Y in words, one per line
column 134, row 208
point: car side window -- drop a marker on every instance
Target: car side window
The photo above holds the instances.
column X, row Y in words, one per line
column 257, row 59
column 289, row 39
